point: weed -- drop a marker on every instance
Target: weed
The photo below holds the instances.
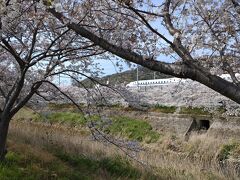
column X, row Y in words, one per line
column 194, row 110
column 164, row 109
column 70, row 118
column 227, row 150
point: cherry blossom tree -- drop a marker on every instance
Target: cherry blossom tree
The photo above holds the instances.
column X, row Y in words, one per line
column 34, row 49
column 201, row 35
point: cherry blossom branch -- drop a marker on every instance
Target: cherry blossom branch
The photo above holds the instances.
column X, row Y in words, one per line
column 236, row 5
column 12, row 51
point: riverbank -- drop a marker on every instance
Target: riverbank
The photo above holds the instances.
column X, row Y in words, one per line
column 171, row 157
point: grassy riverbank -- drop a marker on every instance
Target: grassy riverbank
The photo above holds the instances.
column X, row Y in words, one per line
column 170, row 157
column 125, row 127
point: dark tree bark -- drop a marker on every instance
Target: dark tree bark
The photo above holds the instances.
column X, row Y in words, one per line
column 4, row 125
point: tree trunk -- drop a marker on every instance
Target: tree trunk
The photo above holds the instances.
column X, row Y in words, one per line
column 4, row 124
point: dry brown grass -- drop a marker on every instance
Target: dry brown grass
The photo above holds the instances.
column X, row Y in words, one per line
column 172, row 158
column 70, row 140
column 196, row 157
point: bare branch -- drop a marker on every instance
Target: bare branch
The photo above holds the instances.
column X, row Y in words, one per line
column 11, row 50
column 149, row 26
column 236, row 5
column 167, row 19
column 34, row 38
column 20, row 104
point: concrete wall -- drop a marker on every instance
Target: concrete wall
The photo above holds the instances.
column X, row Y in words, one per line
column 181, row 124
column 169, row 122
column 225, row 127
column 162, row 122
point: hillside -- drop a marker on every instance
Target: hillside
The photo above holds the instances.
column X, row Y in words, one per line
column 128, row 76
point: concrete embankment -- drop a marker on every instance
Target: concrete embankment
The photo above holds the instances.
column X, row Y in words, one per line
column 182, row 124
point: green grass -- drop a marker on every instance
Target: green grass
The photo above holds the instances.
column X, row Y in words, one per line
column 61, row 106
column 193, row 110
column 133, row 129
column 18, row 166
column 117, row 167
column 27, row 163
column 164, row 109
column 69, row 118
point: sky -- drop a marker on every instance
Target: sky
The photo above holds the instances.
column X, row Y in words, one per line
column 109, row 67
